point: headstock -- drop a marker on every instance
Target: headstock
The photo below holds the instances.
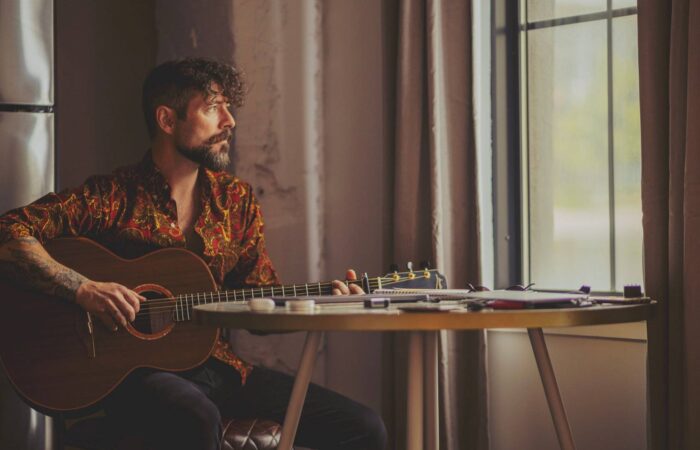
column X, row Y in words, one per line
column 420, row 279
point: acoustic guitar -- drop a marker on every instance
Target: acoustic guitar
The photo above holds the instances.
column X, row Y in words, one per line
column 59, row 358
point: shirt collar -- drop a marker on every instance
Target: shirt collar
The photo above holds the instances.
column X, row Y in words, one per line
column 156, row 182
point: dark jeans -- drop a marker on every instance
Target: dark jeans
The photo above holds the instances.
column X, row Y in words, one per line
column 183, row 410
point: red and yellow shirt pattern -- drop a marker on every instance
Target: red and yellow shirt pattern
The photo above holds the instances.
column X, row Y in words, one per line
column 131, row 213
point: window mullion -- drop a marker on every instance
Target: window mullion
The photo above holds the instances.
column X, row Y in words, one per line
column 611, row 148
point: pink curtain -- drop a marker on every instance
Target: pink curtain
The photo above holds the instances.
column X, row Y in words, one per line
column 669, row 63
column 435, row 210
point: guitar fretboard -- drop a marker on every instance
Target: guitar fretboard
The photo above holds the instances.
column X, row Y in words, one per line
column 180, row 306
column 185, row 302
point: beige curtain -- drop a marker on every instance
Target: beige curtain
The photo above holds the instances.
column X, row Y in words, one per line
column 435, row 212
column 669, row 61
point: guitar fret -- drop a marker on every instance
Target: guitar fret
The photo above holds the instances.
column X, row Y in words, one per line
column 185, row 302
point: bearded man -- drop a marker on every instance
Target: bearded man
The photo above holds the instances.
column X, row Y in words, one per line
column 179, row 195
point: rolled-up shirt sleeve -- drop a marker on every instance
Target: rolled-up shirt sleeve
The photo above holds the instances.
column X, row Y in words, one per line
column 81, row 211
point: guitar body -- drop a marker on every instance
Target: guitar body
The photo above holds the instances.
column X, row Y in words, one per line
column 58, row 361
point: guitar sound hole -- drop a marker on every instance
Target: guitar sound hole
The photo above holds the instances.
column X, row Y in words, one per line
column 156, row 313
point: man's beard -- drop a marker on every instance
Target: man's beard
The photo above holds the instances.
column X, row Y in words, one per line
column 205, row 155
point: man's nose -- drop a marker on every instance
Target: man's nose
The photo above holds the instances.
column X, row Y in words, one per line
column 228, row 120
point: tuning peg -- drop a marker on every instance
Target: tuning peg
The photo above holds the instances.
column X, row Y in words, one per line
column 409, row 266
column 425, row 265
column 394, row 268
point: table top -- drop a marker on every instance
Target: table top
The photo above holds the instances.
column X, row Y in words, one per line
column 357, row 318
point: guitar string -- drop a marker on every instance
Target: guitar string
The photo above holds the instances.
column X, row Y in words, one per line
column 169, row 304
column 247, row 293
column 178, row 308
column 297, row 289
column 192, row 300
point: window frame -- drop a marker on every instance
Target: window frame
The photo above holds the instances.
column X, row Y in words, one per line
column 509, row 133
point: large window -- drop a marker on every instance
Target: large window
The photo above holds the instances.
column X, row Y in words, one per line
column 579, row 143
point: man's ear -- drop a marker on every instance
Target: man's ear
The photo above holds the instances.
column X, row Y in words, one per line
column 165, row 117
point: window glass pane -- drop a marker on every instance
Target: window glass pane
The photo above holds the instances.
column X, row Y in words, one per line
column 627, row 153
column 624, row 4
column 568, row 156
column 554, row 9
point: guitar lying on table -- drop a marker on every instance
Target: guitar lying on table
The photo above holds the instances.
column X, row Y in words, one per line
column 60, row 358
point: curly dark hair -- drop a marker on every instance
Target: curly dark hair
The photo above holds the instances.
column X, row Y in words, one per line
column 173, row 84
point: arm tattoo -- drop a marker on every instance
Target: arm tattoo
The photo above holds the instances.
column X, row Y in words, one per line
column 27, row 264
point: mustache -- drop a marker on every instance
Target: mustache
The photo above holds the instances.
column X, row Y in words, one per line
column 225, row 135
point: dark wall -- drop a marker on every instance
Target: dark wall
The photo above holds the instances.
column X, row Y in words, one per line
column 104, row 49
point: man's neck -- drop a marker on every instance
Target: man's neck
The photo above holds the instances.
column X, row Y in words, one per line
column 178, row 171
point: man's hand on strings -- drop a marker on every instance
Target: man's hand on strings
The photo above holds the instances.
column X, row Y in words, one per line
column 112, row 303
column 343, row 288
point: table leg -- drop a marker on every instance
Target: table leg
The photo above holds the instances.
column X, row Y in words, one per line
column 551, row 390
column 432, row 420
column 414, row 414
column 301, row 385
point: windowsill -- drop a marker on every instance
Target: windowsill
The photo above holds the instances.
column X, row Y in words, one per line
column 635, row 331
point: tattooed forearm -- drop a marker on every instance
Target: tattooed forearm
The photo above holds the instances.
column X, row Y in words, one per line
column 25, row 260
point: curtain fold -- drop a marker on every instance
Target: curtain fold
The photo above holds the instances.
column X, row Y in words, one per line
column 435, row 210
column 669, row 63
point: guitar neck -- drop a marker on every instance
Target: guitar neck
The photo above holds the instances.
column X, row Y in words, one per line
column 185, row 302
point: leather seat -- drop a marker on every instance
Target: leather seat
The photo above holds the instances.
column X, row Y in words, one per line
column 95, row 433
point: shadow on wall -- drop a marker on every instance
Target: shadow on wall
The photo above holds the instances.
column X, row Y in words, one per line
column 103, row 52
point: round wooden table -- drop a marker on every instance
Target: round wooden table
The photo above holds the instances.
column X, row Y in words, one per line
column 423, row 347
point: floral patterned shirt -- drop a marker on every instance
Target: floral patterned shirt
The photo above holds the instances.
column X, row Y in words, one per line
column 131, row 213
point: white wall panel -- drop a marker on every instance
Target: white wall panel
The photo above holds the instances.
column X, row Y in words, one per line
column 26, row 46
column 26, row 157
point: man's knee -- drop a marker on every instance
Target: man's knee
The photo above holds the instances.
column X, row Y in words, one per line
column 202, row 425
column 373, row 430
column 185, row 416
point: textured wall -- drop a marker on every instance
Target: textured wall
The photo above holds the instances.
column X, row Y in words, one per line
column 277, row 143
column 311, row 140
